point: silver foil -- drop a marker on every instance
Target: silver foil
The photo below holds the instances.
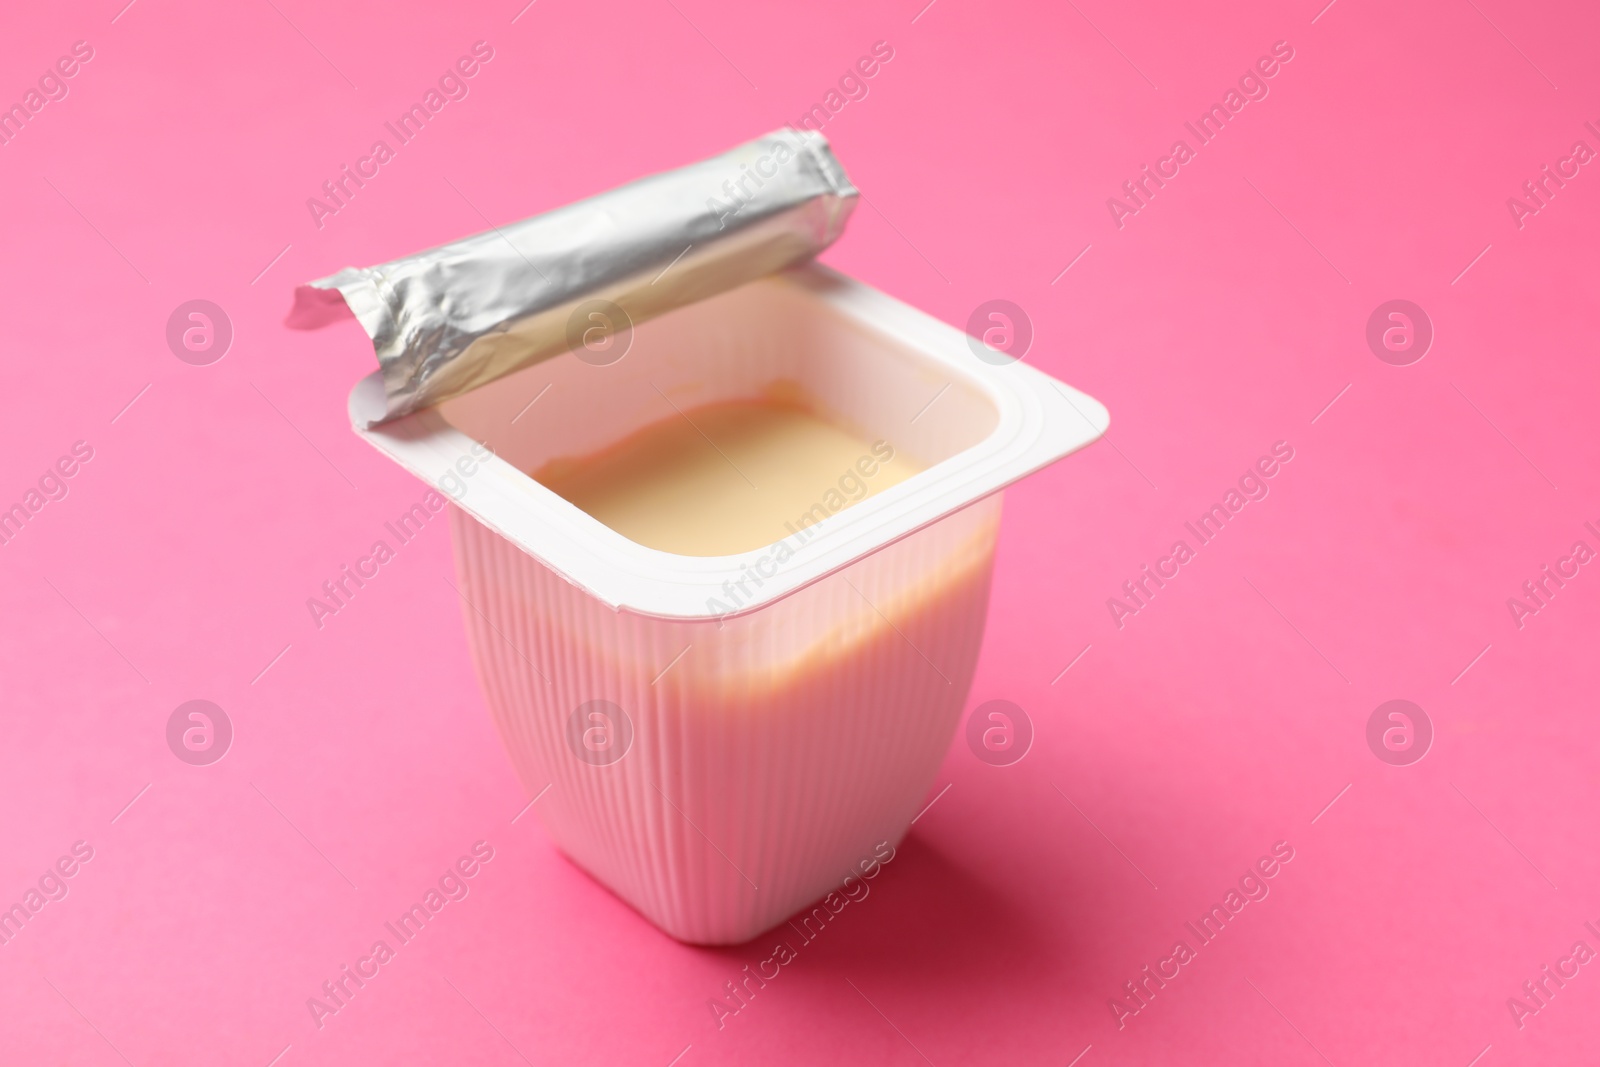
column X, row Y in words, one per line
column 450, row 319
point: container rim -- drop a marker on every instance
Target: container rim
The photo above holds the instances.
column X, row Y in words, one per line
column 1040, row 420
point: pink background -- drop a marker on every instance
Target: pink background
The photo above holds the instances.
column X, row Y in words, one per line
column 1223, row 718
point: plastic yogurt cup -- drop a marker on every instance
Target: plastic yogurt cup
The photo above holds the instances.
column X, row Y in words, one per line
column 720, row 739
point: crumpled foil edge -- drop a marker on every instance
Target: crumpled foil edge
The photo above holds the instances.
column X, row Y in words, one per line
column 449, row 319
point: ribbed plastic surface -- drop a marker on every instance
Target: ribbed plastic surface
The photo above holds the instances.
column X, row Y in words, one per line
column 770, row 752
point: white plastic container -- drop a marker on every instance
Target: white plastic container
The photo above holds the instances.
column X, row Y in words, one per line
column 725, row 738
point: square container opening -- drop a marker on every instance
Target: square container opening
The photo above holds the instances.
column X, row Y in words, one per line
column 775, row 336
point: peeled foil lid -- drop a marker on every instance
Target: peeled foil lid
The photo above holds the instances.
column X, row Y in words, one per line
column 452, row 318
